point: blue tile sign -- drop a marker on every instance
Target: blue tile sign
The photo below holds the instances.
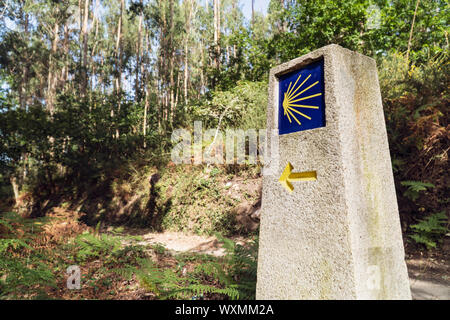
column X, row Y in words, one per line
column 301, row 99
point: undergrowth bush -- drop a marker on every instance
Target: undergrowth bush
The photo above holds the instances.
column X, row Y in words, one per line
column 92, row 246
column 194, row 199
column 415, row 101
column 232, row 276
column 21, row 266
column 243, row 107
column 169, row 284
column 414, row 188
column 429, row 231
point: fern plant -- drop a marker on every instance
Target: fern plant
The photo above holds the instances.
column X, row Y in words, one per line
column 241, row 265
column 19, row 277
column 233, row 276
column 13, row 244
column 91, row 246
column 414, row 188
column 168, row 284
column 20, row 271
column 430, row 230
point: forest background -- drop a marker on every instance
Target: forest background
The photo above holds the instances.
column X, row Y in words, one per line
column 91, row 90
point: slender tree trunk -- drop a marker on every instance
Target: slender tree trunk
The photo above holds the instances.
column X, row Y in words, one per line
column 92, row 67
column 15, row 186
column 202, row 67
column 216, row 31
column 80, row 34
column 65, row 69
column 145, row 82
column 23, row 99
column 188, row 17
column 144, row 124
column 234, row 24
column 138, row 54
column 52, row 76
column 178, row 87
column 162, row 70
column 216, row 59
column 84, row 33
column 23, row 92
column 100, row 76
column 119, row 62
column 118, row 49
column 411, row 32
column 172, row 63
column 253, row 12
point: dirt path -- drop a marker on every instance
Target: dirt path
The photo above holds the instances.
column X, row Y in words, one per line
column 430, row 276
column 182, row 242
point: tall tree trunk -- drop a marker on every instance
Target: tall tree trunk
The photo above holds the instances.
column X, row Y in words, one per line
column 23, row 92
column 172, row 63
column 52, row 75
column 216, row 37
column 101, row 83
column 95, row 22
column 118, row 82
column 23, row 99
column 188, row 17
column 411, row 32
column 118, row 49
column 219, row 20
column 15, row 186
column 216, row 30
column 253, row 12
column 178, row 87
column 145, row 79
column 138, row 54
column 84, row 32
column 202, row 68
column 234, row 24
column 65, row 69
column 162, row 63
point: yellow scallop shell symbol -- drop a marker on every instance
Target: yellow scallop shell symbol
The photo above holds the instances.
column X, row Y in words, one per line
column 291, row 97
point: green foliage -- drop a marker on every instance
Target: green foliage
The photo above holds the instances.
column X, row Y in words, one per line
column 91, row 246
column 127, row 256
column 233, row 275
column 159, row 248
column 169, row 284
column 241, row 265
column 415, row 101
column 191, row 198
column 300, row 27
column 58, row 128
column 10, row 223
column 243, row 106
column 414, row 188
column 429, row 231
column 13, row 244
column 19, row 275
column 80, row 139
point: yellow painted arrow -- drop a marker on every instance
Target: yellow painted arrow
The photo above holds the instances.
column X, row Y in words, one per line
column 288, row 176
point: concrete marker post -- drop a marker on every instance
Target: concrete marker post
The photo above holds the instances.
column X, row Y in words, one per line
column 336, row 234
